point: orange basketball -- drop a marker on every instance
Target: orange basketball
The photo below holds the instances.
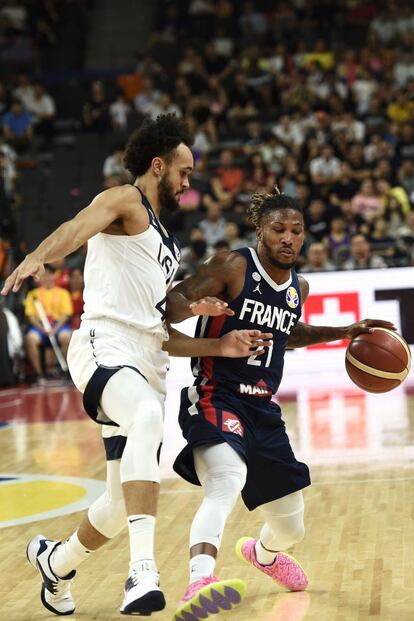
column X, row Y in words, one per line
column 379, row 361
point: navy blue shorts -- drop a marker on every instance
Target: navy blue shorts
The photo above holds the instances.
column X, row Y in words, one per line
column 254, row 428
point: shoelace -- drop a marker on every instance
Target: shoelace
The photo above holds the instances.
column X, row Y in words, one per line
column 61, row 590
column 135, row 577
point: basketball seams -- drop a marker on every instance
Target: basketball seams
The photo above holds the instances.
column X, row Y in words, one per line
column 401, row 340
column 384, row 349
column 377, row 372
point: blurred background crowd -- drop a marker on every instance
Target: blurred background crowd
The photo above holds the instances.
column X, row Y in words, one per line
column 316, row 96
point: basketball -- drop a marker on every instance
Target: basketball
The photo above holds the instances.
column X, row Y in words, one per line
column 378, row 361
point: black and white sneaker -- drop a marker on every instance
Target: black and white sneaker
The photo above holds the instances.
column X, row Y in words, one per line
column 55, row 593
column 143, row 595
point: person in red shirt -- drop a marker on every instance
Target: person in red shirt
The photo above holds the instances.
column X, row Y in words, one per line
column 76, row 285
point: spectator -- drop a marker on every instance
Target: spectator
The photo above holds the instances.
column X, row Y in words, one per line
column 367, row 202
column 213, row 226
column 316, row 220
column 96, row 109
column 43, row 111
column 18, row 128
column 228, row 179
column 114, row 163
column 119, row 112
column 24, row 91
column 317, row 259
column 325, row 169
column 338, row 240
column 381, row 242
column 11, row 346
column 232, row 235
column 147, row 98
column 191, row 257
column 57, row 305
column 76, row 285
column 361, row 256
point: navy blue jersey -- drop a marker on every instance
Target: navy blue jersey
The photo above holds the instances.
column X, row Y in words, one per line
column 262, row 305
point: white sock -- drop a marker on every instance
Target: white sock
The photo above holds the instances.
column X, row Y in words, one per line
column 265, row 557
column 141, row 543
column 68, row 556
column 201, row 565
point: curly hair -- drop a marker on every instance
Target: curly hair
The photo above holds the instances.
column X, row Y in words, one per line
column 263, row 204
column 157, row 138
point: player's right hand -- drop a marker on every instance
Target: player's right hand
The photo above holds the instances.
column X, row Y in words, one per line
column 210, row 306
column 30, row 266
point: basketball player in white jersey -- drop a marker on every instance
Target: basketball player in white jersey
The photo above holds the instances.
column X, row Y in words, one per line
column 117, row 357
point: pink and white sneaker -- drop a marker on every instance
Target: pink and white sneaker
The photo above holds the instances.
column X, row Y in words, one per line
column 285, row 570
column 208, row 596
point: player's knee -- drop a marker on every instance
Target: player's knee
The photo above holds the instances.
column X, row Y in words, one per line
column 224, row 485
column 146, row 427
column 282, row 532
column 109, row 517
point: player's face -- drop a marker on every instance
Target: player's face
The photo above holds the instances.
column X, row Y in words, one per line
column 282, row 234
column 176, row 178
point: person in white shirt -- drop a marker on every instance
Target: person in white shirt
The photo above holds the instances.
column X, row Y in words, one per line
column 43, row 111
column 326, row 168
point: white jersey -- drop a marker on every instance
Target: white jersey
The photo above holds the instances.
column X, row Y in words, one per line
column 127, row 276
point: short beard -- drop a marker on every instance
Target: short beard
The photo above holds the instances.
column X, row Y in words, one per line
column 166, row 195
column 275, row 262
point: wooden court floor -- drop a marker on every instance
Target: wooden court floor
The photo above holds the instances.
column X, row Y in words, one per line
column 359, row 545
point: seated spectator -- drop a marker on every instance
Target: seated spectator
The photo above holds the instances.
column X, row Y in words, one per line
column 361, row 256
column 221, row 246
column 325, row 169
column 164, row 105
column 76, row 285
column 96, row 110
column 43, row 111
column 114, row 163
column 119, row 112
column 401, row 108
column 381, row 242
column 11, row 346
column 18, row 127
column 147, row 98
column 227, row 179
column 192, row 256
column 58, row 307
column 406, row 177
column 316, row 220
column 232, row 236
column 368, row 203
column 24, row 91
column 213, row 226
column 317, row 259
column 394, row 216
column 338, row 240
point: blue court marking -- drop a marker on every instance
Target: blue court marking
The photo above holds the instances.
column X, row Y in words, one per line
column 3, row 423
column 7, row 479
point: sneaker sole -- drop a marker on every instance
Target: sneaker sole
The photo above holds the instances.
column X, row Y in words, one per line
column 212, row 599
column 240, row 556
column 153, row 601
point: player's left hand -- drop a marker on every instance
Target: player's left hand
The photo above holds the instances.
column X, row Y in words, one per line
column 366, row 326
column 211, row 306
column 243, row 343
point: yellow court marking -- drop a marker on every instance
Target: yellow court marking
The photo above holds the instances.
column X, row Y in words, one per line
column 25, row 498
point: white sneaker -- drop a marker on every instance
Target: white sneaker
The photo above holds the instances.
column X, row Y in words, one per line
column 142, row 594
column 55, row 594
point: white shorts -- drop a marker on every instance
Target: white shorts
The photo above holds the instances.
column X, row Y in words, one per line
column 108, row 343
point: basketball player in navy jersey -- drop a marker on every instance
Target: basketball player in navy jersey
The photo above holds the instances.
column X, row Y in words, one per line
column 117, row 358
column 236, row 437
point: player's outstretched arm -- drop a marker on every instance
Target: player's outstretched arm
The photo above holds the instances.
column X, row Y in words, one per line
column 234, row 344
column 203, row 293
column 304, row 334
column 107, row 207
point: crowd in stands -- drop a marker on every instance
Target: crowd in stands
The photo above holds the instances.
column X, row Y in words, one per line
column 315, row 96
